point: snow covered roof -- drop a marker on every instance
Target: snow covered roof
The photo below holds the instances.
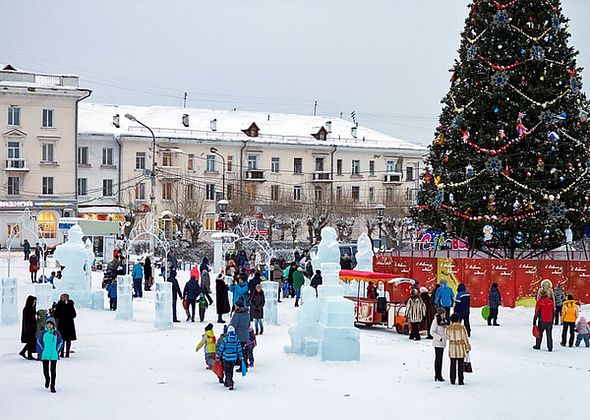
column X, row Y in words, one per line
column 10, row 76
column 220, row 125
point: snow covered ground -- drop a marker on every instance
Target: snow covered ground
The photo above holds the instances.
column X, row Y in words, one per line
column 127, row 369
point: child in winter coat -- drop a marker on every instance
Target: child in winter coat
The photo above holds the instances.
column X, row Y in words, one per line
column 49, row 344
column 112, row 294
column 569, row 314
column 203, row 305
column 286, row 289
column 208, row 340
column 230, row 352
column 250, row 344
column 583, row 329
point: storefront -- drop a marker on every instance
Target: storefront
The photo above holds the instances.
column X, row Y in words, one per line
column 32, row 220
column 111, row 213
column 102, row 233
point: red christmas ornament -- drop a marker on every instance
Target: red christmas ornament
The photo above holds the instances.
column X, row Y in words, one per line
column 446, row 159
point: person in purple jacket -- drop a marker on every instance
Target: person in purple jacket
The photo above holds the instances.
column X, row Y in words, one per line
column 49, row 344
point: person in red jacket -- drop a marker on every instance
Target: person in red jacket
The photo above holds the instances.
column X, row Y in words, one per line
column 544, row 312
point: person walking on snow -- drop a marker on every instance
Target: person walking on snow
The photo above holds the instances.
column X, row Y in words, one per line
column 459, row 347
column 26, row 249
column 137, row 275
column 443, row 297
column 239, row 290
column 29, row 328
column 191, row 293
column 415, row 311
column 49, row 345
column 241, row 323
column 494, row 302
column 559, row 299
column 148, row 274
column 298, row 281
column 221, row 298
column 544, row 320
column 438, row 330
column 583, row 330
column 112, row 294
column 250, row 344
column 208, row 340
column 569, row 315
column 230, row 352
column 462, row 305
column 175, row 293
column 429, row 316
column 257, row 302
column 65, row 312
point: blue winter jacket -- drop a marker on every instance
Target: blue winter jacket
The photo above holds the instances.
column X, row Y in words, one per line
column 463, row 301
column 444, row 296
column 230, row 349
column 137, row 272
column 112, row 290
column 49, row 344
column 239, row 291
column 494, row 298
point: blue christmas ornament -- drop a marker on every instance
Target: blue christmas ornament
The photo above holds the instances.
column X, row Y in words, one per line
column 472, row 52
column 501, row 18
column 537, row 52
column 496, row 110
column 552, row 137
column 500, row 79
column 556, row 23
column 522, row 52
column 574, row 85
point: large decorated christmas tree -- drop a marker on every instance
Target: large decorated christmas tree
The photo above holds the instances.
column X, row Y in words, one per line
column 509, row 169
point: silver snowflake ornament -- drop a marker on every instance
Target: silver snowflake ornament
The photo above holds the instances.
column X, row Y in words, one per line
column 537, row 53
column 501, row 18
column 555, row 210
column 494, row 165
column 500, row 79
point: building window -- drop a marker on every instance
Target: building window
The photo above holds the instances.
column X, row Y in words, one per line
column 107, row 155
column 229, row 163
column 47, row 152
column 319, row 164
column 339, row 167
column 47, row 185
column 252, row 162
column 275, row 165
column 274, row 192
column 390, row 166
column 318, row 193
column 13, row 150
column 190, row 192
column 297, row 192
column 297, row 165
column 409, row 173
column 82, row 186
column 371, row 168
column 210, row 163
column 190, row 162
column 14, row 115
column 356, row 193
column 339, row 193
column 13, row 185
column 140, row 160
column 167, row 191
column 229, row 191
column 371, row 194
column 167, row 159
column 209, row 221
column 388, row 194
column 210, row 192
column 48, row 118
column 409, row 195
column 140, row 191
column 83, row 155
column 47, row 223
column 13, row 230
column 356, row 167
column 107, row 187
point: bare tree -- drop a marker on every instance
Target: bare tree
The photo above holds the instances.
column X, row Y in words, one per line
column 187, row 207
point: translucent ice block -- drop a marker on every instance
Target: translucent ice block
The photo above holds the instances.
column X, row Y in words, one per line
column 163, row 317
column 43, row 292
column 271, row 294
column 340, row 344
column 8, row 301
column 124, row 298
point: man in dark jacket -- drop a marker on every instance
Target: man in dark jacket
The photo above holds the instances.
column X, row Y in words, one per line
column 494, row 302
column 462, row 305
column 429, row 311
column 191, row 293
column 175, row 292
column 241, row 322
column 221, row 298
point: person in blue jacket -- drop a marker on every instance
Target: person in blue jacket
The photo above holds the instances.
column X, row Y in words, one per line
column 112, row 294
column 230, row 352
column 49, row 344
column 239, row 290
column 444, row 297
column 462, row 305
column 137, row 275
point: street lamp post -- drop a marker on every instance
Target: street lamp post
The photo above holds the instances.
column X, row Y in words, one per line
column 152, row 174
column 222, row 204
column 380, row 208
column 216, row 152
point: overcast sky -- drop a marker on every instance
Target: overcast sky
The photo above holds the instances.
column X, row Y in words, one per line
column 387, row 60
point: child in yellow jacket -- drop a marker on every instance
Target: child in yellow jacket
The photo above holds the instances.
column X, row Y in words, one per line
column 208, row 340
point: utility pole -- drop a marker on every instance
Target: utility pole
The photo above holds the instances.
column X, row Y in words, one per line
column 315, row 108
column 184, row 101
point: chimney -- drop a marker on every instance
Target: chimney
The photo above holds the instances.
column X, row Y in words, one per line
column 213, row 124
column 329, row 126
column 353, row 131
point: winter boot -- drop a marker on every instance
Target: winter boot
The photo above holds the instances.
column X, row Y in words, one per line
column 261, row 330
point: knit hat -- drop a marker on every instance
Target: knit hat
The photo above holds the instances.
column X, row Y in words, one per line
column 231, row 329
column 440, row 311
column 50, row 319
column 209, row 327
column 240, row 303
column 423, row 290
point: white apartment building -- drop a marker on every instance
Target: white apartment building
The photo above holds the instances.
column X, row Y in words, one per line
column 38, row 120
column 268, row 157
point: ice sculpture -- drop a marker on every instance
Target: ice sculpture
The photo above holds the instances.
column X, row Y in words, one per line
column 89, row 262
column 43, row 295
column 76, row 275
column 163, row 318
column 328, row 248
column 124, row 298
column 8, row 301
column 304, row 334
column 271, row 295
column 364, row 254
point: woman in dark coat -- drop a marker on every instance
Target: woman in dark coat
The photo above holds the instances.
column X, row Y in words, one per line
column 221, row 298
column 65, row 312
column 429, row 310
column 29, row 331
column 257, row 308
column 148, row 274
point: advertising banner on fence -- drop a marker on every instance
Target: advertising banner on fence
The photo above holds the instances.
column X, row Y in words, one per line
column 556, row 271
column 527, row 281
column 449, row 269
column 476, row 278
column 579, row 280
column 425, row 270
column 502, row 272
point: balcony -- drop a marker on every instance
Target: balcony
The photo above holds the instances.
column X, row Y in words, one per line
column 16, row 165
column 321, row 176
column 255, row 175
column 392, row 178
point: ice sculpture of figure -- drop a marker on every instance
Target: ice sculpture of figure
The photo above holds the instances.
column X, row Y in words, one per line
column 163, row 304
column 271, row 295
column 89, row 263
column 304, row 334
column 73, row 256
column 328, row 248
column 364, row 254
column 125, row 298
column 8, row 301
